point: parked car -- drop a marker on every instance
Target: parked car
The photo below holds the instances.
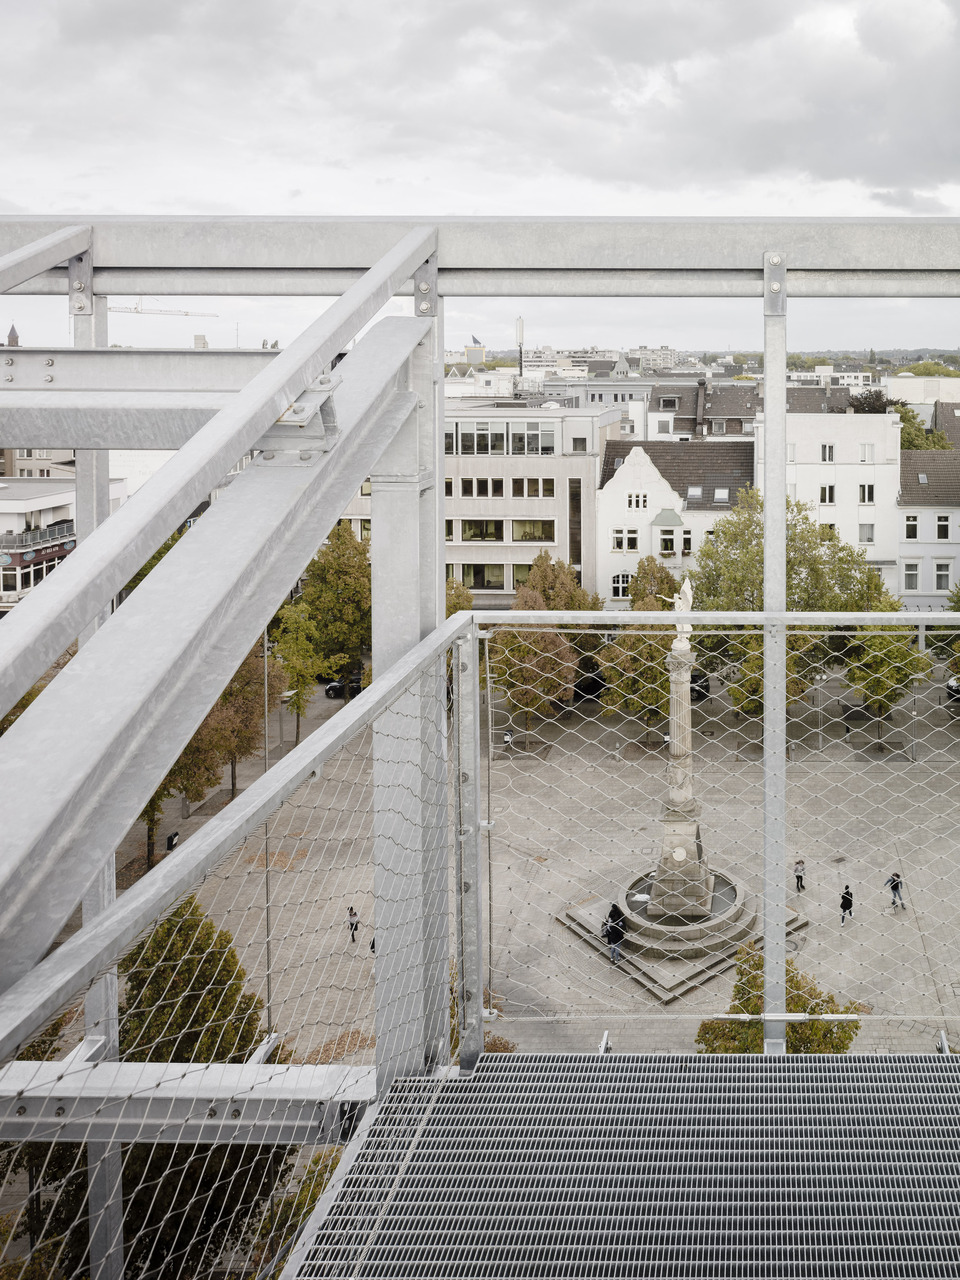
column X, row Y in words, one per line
column 953, row 687
column 699, row 685
column 335, row 688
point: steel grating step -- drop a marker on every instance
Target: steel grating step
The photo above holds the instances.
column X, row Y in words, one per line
column 674, row 1167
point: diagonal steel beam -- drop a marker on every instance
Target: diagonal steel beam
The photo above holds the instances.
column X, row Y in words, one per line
column 48, row 620
column 20, row 265
column 84, row 758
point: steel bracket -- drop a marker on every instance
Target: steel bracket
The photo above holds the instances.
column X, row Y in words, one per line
column 774, row 284
column 305, row 431
column 80, row 284
column 425, row 288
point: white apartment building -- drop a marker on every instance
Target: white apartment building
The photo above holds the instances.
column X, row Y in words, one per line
column 914, row 390
column 37, row 530
column 826, row 375
column 501, row 383
column 517, row 481
column 929, row 526
column 661, row 499
column 846, row 468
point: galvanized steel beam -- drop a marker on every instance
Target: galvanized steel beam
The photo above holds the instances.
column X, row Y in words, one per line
column 22, row 262
column 113, row 369
column 141, row 686
column 44, row 623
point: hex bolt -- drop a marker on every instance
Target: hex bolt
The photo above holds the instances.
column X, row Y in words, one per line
column 775, row 287
column 424, row 306
column 235, row 1113
column 21, row 1111
column 211, row 1113
column 48, row 362
column 423, row 287
column 78, row 285
column 80, row 304
column 8, row 377
column 48, row 377
column 774, row 259
column 305, row 457
column 60, row 1111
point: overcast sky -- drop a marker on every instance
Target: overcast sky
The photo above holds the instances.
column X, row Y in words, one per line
column 624, row 107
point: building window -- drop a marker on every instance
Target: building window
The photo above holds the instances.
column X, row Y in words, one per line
column 466, row 487
column 668, row 402
column 826, row 453
column 827, row 494
column 866, row 453
column 496, row 488
column 634, row 501
column 633, row 540
column 483, row 577
column 491, row 439
column 533, row 530
column 24, row 453
column 43, row 471
column 718, row 427
column 448, row 438
column 481, row 531
column 546, row 488
column 866, row 533
column 620, row 586
column 943, row 526
column 533, row 488
column 579, row 444
column 25, row 472
column 943, row 577
column 663, row 426
column 687, row 545
column 364, row 530
column 866, row 495
column 667, row 542
column 911, row 528
column 483, row 488
column 521, row 572
column 791, row 453
column 721, row 495
column 532, row 438
column 448, row 487
column 911, row 577
column 448, row 530
column 518, row 489
column 921, row 477
column 365, row 489
column 617, row 540
column 694, row 491
column 593, row 397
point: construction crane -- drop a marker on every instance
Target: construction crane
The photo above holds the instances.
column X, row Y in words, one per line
column 141, row 310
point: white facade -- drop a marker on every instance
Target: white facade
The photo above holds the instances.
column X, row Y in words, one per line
column 846, row 468
column 497, row 384
column 928, row 561
column 914, row 390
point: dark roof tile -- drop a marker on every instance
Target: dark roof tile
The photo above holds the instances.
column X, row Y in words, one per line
column 707, row 463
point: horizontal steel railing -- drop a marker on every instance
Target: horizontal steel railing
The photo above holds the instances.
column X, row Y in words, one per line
column 44, row 624
column 33, row 537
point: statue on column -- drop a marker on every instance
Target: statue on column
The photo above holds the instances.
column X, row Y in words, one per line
column 682, row 885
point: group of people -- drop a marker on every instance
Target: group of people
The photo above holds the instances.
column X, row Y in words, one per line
column 353, row 924
column 893, row 882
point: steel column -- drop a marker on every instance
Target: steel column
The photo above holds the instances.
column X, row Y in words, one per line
column 466, row 686
column 774, row 654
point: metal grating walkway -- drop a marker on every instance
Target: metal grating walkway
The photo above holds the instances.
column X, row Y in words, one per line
column 658, row 1166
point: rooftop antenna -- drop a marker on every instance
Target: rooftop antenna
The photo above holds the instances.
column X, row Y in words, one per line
column 520, row 341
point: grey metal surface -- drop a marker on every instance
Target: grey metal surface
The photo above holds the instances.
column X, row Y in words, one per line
column 727, row 1167
column 466, row 686
column 107, row 419
column 27, row 256
column 42, row 626
column 130, row 369
column 190, row 623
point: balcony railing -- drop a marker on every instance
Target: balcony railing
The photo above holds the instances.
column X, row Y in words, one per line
column 38, row 537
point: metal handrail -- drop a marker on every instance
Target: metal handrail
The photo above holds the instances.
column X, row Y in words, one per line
column 32, row 537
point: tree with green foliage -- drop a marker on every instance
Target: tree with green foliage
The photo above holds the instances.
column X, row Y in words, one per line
column 803, row 996
column 651, row 579
column 883, row 665
column 242, row 700
column 634, row 669
column 913, row 433
column 536, row 670
column 185, row 1204
column 459, row 596
column 555, row 581
column 287, row 1213
column 336, row 591
column 295, row 644
column 930, row 369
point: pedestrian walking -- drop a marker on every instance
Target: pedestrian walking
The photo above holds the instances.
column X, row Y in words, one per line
column 846, row 904
column 895, row 885
column 612, row 930
column 798, row 870
column 353, row 922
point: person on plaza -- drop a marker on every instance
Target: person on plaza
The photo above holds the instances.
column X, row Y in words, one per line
column 895, row 885
column 353, row 922
column 613, row 931
column 846, row 904
column 798, row 870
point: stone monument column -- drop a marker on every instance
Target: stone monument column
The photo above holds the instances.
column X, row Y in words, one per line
column 682, row 885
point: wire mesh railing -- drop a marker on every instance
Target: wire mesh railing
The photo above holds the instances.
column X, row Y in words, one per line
column 583, row 769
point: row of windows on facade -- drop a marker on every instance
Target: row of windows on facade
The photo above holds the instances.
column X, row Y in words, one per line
column 502, row 439
column 715, row 426
column 493, row 530
column 492, row 487
column 828, row 494
column 23, row 577
column 912, row 529
column 629, row 540
column 941, row 576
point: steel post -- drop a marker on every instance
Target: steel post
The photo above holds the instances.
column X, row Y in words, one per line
column 469, row 871
column 774, row 654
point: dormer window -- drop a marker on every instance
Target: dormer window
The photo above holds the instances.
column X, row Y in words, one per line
column 668, row 402
column 721, row 495
column 694, row 491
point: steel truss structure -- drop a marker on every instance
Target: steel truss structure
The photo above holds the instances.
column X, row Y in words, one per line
column 80, row 763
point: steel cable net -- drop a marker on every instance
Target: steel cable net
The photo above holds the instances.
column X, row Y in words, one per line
column 157, row 1162
column 604, row 805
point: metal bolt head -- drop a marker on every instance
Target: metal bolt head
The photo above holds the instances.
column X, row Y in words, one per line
column 775, row 286
column 424, row 306
column 8, row 377
column 305, row 457
column 211, row 1113
column 48, row 377
column 324, row 379
column 423, row 287
column 60, row 1111
column 78, row 285
column 48, row 362
column 9, row 360
column 268, row 454
column 80, row 304
column 21, row 1111
column 774, row 259
column 235, row 1113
